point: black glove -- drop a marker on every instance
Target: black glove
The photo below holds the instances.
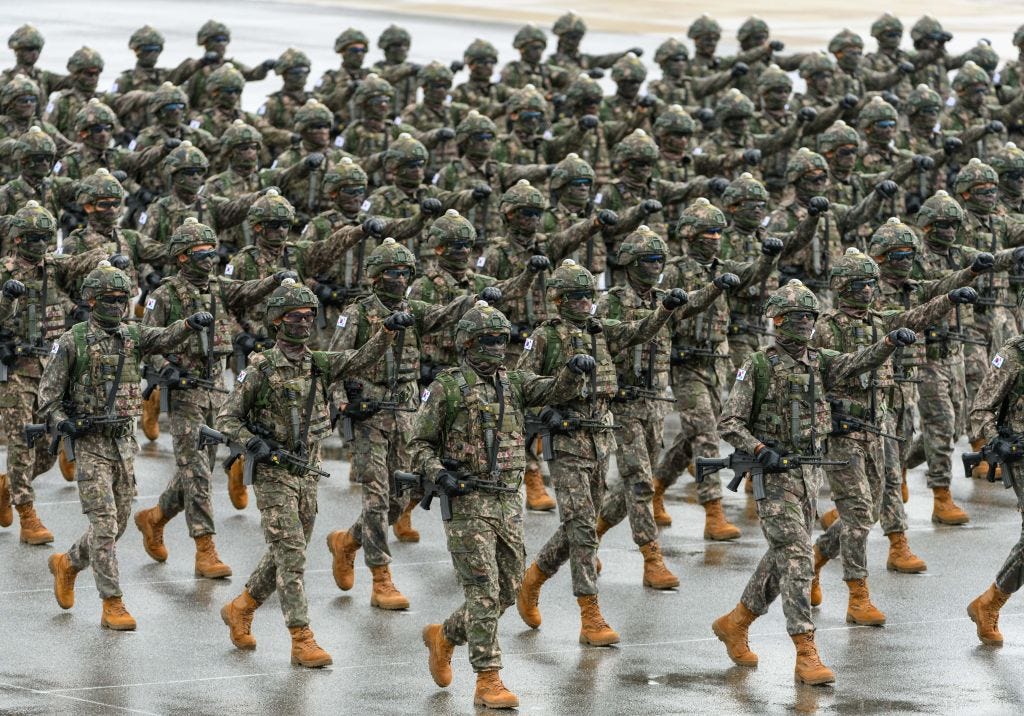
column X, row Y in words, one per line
column 257, row 448
column 964, row 294
column 905, row 67
column 1003, row 448
column 777, row 45
column 891, row 99
column 199, row 320
column 374, row 226
column 324, row 292
column 768, row 458
column 886, row 189
column 171, row 143
column 431, row 206
column 313, row 160
column 718, row 185
column 558, row 100
column 491, row 294
column 849, row 101
column 449, row 484
column 13, row 288
column 588, row 121
column 818, row 205
column 995, row 127
column 806, row 114
column 445, row 134
column 922, row 162
column 739, row 69
column 647, row 101
column 595, row 73
column 674, row 299
column 983, row 263
column 772, row 246
column 481, row 192
column 952, row 145
column 650, row 206
column 295, row 139
column 153, row 279
column 539, row 263
column 120, row 261
column 268, row 64
column 415, row 68
column 456, row 66
column 638, row 51
column 399, row 320
column 727, row 281
column 607, row 217
column 752, row 156
column 705, row 115
column 901, row 337
column 209, row 58
column 551, row 418
column 581, row 364
column 282, row 275
column 122, row 177
column 170, row 373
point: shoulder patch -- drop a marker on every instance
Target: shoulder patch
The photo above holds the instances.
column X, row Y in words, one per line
column 436, row 178
column 528, row 344
column 339, row 141
column 143, row 217
column 425, row 396
column 132, row 144
column 229, row 269
column 741, row 374
column 262, row 110
column 241, row 377
column 150, row 304
column 54, row 348
column 598, row 198
column 481, row 261
column 342, row 321
column 365, row 206
column 997, row 361
column 195, row 124
column 57, row 167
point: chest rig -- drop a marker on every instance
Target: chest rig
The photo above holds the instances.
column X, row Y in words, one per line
column 562, row 342
column 106, row 376
column 793, row 413
column 184, row 300
column 646, row 365
column 400, row 369
column 293, row 402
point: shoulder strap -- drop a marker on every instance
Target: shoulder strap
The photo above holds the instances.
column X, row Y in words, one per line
column 552, row 348
column 81, row 348
column 762, row 378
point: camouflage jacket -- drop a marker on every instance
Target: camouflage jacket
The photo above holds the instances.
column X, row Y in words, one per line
column 81, row 161
column 426, row 117
column 545, row 77
column 393, row 202
column 1003, row 382
column 335, row 89
column 199, row 97
column 279, row 108
column 486, row 97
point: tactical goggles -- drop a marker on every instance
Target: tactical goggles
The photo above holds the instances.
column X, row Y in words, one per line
column 490, row 339
column 355, row 49
column 104, row 204
column 713, row 231
column 460, row 244
column 353, row 190
column 581, row 182
column 300, row 70
column 930, row 109
column 27, row 99
column 530, row 115
column 230, row 90
column 815, row 177
column 677, row 58
column 394, row 273
column 641, row 164
column 296, row 317
column 893, row 34
column 414, row 164
column 802, row 316
column 273, row 224
column 35, row 236
column 219, row 38
column 318, row 125
column 202, row 255
column 946, row 224
column 482, row 136
column 440, row 84
column 988, row 191
column 99, row 128
column 151, row 48
column 754, row 204
column 40, row 158
column 534, row 45
column 171, row 106
column 859, row 285
column 1014, row 175
column 113, row 299
column 529, row 212
column 379, row 99
column 90, row 72
column 819, row 76
column 653, row 259
column 580, row 295
column 484, row 61
column 30, row 48
column 900, row 255
column 192, row 171
column 247, row 146
column 885, row 123
column 847, row 151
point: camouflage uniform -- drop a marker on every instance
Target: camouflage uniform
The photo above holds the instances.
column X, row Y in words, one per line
column 34, row 153
column 18, row 117
column 961, row 116
column 280, row 107
column 335, row 87
column 429, row 114
column 28, row 36
column 890, row 55
column 571, row 24
column 854, row 77
column 64, row 105
column 199, row 95
column 681, row 88
column 487, row 97
column 401, row 74
column 543, row 75
column 83, row 159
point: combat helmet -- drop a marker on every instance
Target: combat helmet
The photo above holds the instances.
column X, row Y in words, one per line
column 583, row 91
column 451, row 226
column 84, row 58
column 290, row 296
column 1018, row 37
column 351, row 36
column 164, row 95
column 975, row 172
column 969, row 75
column 480, row 50
column 389, row 254
column 734, row 104
column 290, row 59
column 670, row 48
column 701, row 216
column 145, row 35
column 570, row 276
column 568, row 23
column 815, row 62
column 481, row 319
column 394, row 35
column 526, row 99
column 270, row 207
column 793, row 296
column 373, row 85
column 92, row 113
column 25, row 36
column 311, row 113
column 35, row 142
column 851, row 266
column 32, row 218
column 435, row 71
column 527, row 34
column 886, row 23
column 238, row 132
column 744, row 188
column 105, row 279
column 774, row 78
column 521, row 195
column 190, row 234
column 18, row 86
column 225, row 77
column 803, row 161
column 1010, row 158
column 839, row 134
column 345, row 173
column 940, row 206
column 629, row 67
column 893, row 234
column 703, row 25
column 473, row 123
column 100, row 185
column 877, row 110
column 843, row 39
column 637, row 146
column 643, row 241
column 185, row 156
column 923, row 97
column 570, row 168
column 674, row 120
column 925, row 27
column 753, row 25
column 405, row 149
column 211, row 29
column 984, row 56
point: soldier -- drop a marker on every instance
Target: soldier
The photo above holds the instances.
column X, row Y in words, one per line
column 753, row 39
column 34, row 154
column 854, row 78
column 380, row 431
column 971, row 85
column 89, row 394
column 588, row 136
column 279, row 109
column 168, row 108
column 457, row 426
column 676, row 86
column 706, row 32
column 282, row 403
column 33, row 310
column 1011, row 77
column 1009, row 165
column 530, row 41
column 572, row 199
column 193, row 246
column 479, row 91
column 888, row 31
column 529, row 140
column 436, row 111
column 818, row 71
column 928, row 36
column 84, row 67
column 19, row 103
column 627, row 105
column 860, row 408
column 570, row 29
column 395, row 67
column 336, row 87
column 788, row 380
column 673, row 130
column 581, row 450
column 224, row 93
column 27, row 43
column 697, row 343
column 997, row 409
column 214, row 37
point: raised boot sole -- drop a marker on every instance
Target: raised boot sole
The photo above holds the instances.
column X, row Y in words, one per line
column 719, row 632
column 893, row 567
column 224, row 611
column 592, row 641
column 312, row 663
column 507, row 703
column 39, row 539
column 851, row 619
column 394, row 606
column 126, row 626
column 815, row 681
column 950, row 521
column 984, row 640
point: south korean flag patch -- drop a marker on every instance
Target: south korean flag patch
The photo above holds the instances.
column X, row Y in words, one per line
column 241, row 377
column 54, row 348
column 741, row 374
column 425, row 396
column 229, row 269
column 998, row 360
column 342, row 321
column 150, row 304
column 528, row 344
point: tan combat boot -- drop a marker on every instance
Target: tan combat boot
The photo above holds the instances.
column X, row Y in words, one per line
column 403, row 528
column 901, row 559
column 151, row 524
column 305, row 650
column 237, row 491
column 661, row 516
column 385, row 595
column 716, row 527
column 150, row 421
column 528, row 599
column 33, row 531
column 343, row 548
column 63, row 579
column 829, row 518
column 904, row 489
column 115, row 616
column 656, row 574
column 208, row 562
column 594, row 630
column 860, row 610
column 984, row 611
column 945, row 511
column 439, row 656
column 67, row 467
column 731, row 629
column 537, row 497
column 237, row 615
column 820, row 561
column 980, row 471
column 6, row 513
column 491, row 693
column 809, row 668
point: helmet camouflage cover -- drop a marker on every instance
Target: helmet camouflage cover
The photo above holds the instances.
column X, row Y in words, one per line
column 923, row 97
column 344, row 173
column 290, row 59
column 481, row 319
column 389, row 254
column 1008, row 159
column 241, row 133
column 522, row 194
column 701, row 216
column 641, row 242
column 584, row 90
column 25, row 36
column 939, row 206
column 744, row 188
column 569, row 22
column 473, row 123
column 570, row 276
column 19, row 86
column 974, row 173
column 815, row 62
column 101, row 185
column 94, row 112
column 793, row 296
column 351, row 36
column 212, row 28
column 145, row 35
column 893, row 234
column 851, row 266
column 190, row 234
column 435, row 71
column 839, row 134
column 570, row 168
column 629, row 67
column 225, row 77
column 166, row 94
column 452, row 226
column 670, row 48
column 373, row 85
column 394, row 35
column 877, row 110
column 312, row 112
column 270, row 207
column 886, row 23
column 527, row 34
column 480, row 50
column 185, row 156
column 924, row 27
column 32, row 218
column 970, row 74
column 526, row 99
column 406, row 149
column 34, row 142
column 733, row 104
column 843, row 39
column 774, row 77
column 753, row 25
column 674, row 120
column 105, row 279
column 802, row 162
column 290, row 296
column 704, row 25
column 637, row 146
column 85, row 58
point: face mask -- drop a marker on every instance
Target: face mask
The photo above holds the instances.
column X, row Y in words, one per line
column 736, row 126
column 189, row 181
column 34, row 249
column 410, row 174
column 480, row 149
column 455, row 257
column 525, row 222
column 858, row 294
column 775, row 99
column 806, row 187
column 487, row 353
column 109, row 310
column 295, row 333
column 272, row 237
column 982, row 199
column 199, row 266
column 749, row 214
column 1012, row 184
column 704, row 248
column 797, row 327
column 637, row 172
column 942, row 233
column 646, row 272
column 576, row 194
column 898, row 262
column 575, row 310
column 393, row 282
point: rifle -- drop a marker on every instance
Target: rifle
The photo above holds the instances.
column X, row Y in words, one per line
column 278, row 457
column 156, row 379
column 537, row 428
column 843, row 423
column 245, row 343
column 941, row 335
column 637, row 392
column 1004, row 451
column 682, row 355
column 743, row 463
column 362, row 409
column 82, row 424
column 12, row 349
column 405, row 481
column 738, row 326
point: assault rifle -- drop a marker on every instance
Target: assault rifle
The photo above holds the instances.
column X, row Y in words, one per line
column 278, row 456
column 1004, row 450
column 743, row 463
column 11, row 349
column 82, row 424
column 404, row 481
column 168, row 381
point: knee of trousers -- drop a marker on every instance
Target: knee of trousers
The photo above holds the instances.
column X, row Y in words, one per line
column 581, row 532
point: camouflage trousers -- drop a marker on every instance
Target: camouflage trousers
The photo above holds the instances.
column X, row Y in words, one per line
column 579, row 489
column 378, row 450
column 857, row 492
column 288, row 507
column 189, row 489
column 1011, row 575
column 786, row 569
column 699, row 406
column 639, row 441
column 996, row 325
column 24, row 464
column 892, row 514
column 941, row 402
column 489, row 559
column 105, row 473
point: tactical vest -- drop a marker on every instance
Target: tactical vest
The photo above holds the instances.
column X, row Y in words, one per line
column 851, row 335
column 789, row 408
column 511, row 259
column 746, row 306
column 184, row 300
column 1015, row 408
column 472, row 429
column 592, row 254
column 403, row 370
column 282, row 395
column 562, row 341
column 40, row 318
column 96, row 368
column 906, row 359
column 249, row 264
column 707, row 330
column 631, row 365
column 929, row 265
column 439, row 288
